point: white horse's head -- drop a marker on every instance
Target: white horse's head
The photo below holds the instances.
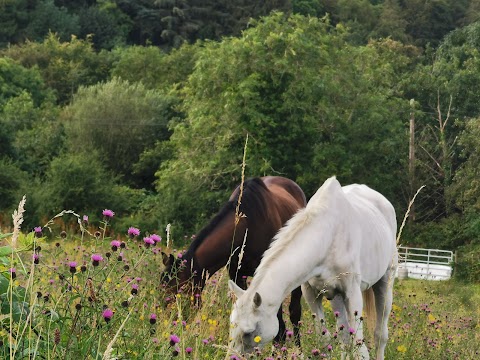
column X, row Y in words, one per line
column 252, row 323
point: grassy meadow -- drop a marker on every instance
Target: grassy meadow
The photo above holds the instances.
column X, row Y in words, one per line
column 85, row 294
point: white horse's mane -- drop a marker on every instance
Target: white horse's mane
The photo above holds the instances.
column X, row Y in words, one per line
column 318, row 203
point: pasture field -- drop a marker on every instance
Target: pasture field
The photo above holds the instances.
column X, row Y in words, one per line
column 60, row 301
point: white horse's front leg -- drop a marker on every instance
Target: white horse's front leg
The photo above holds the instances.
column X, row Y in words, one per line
column 314, row 301
column 354, row 307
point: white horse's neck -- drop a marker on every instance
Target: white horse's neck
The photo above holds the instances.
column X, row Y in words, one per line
column 300, row 248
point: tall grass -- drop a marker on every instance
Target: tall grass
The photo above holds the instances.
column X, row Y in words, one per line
column 67, row 307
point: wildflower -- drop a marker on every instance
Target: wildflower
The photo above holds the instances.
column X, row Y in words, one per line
column 315, row 352
column 402, row 348
column 153, row 318
column 148, row 241
column 108, row 213
column 36, row 258
column 124, row 303
column 85, row 219
column 257, row 339
column 13, row 272
column 174, row 339
column 96, row 258
column 337, row 313
column 73, row 266
column 132, row 232
column 175, row 351
column 134, row 290
column 351, row 330
column 329, row 347
column 78, row 306
column 156, row 238
column 83, row 268
column 107, row 314
column 38, row 231
column 188, row 350
column 289, row 333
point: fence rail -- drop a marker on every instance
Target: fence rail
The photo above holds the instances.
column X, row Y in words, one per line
column 429, row 264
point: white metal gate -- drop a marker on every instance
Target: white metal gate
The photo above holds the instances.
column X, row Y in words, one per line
column 428, row 264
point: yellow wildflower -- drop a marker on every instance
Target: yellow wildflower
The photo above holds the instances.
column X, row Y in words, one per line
column 257, row 339
column 402, row 348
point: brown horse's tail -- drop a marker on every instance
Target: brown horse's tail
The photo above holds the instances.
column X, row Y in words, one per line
column 370, row 311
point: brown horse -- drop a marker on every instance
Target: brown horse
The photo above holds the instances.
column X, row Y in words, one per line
column 265, row 205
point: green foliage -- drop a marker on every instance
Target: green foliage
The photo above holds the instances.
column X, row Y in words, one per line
column 31, row 135
column 119, row 120
column 13, row 20
column 12, row 180
column 467, row 267
column 304, row 96
column 465, row 188
column 15, row 79
column 79, row 181
column 106, row 25
column 153, row 67
column 47, row 17
column 64, row 66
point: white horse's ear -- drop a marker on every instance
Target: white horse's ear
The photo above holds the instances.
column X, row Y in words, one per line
column 257, row 300
column 237, row 290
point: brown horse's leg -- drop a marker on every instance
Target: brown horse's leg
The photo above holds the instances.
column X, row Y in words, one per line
column 282, row 330
column 295, row 309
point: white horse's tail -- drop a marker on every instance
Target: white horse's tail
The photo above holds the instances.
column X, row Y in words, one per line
column 370, row 311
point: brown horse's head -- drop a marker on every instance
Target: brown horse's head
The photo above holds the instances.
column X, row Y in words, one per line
column 180, row 277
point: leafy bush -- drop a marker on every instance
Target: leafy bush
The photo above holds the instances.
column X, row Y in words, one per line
column 79, row 181
column 468, row 263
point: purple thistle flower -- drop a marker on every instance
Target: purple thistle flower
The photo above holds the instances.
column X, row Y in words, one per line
column 329, row 347
column 134, row 290
column 153, row 318
column 36, row 258
column 85, row 219
column 188, row 350
column 115, row 244
column 148, row 241
column 156, row 238
column 13, row 272
column 337, row 313
column 132, row 232
column 38, row 231
column 73, row 266
column 108, row 213
column 351, row 330
column 96, row 258
column 174, row 339
column 107, row 315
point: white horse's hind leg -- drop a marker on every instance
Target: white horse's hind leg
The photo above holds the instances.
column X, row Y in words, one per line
column 383, row 291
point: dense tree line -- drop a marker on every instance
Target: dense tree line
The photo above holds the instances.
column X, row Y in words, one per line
column 145, row 106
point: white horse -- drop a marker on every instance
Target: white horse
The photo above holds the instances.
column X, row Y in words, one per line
column 340, row 245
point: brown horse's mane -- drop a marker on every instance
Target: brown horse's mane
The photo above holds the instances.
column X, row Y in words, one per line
column 254, row 205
